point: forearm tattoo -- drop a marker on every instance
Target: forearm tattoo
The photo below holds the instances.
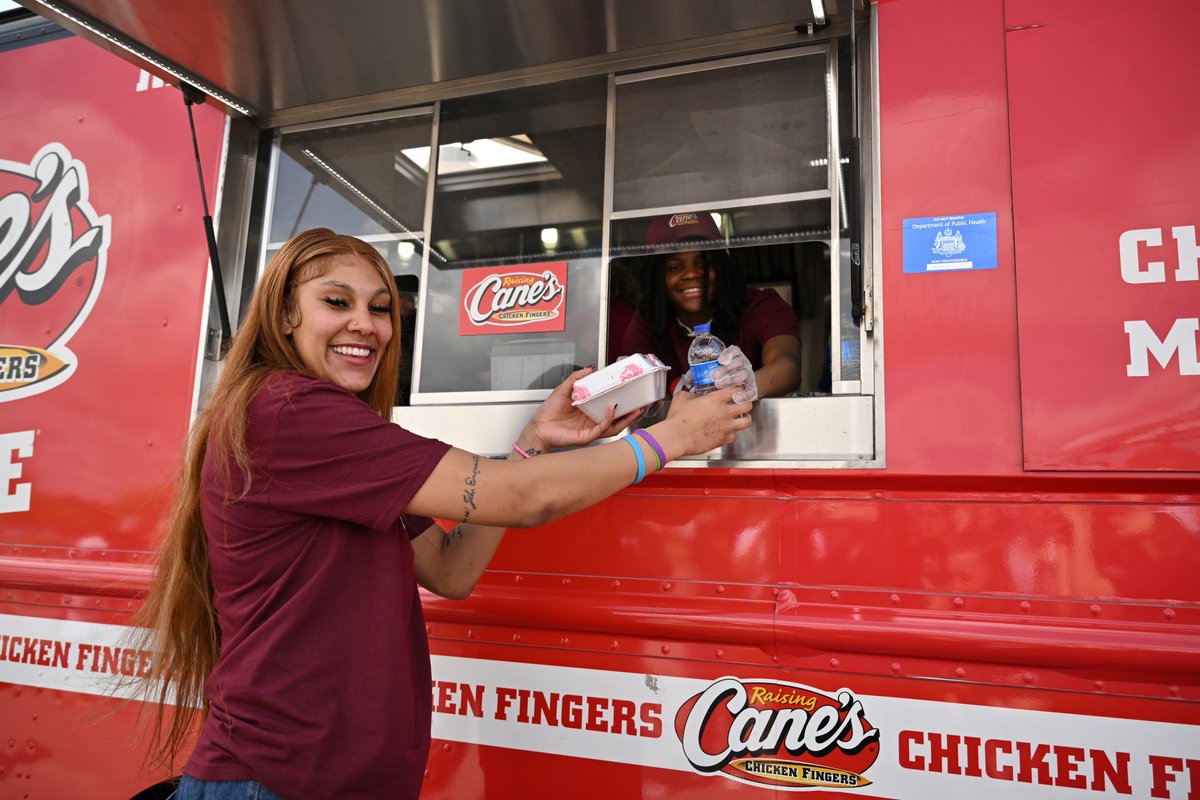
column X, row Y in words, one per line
column 453, row 535
column 469, row 492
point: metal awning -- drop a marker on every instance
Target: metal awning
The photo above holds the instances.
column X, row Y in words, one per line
column 294, row 61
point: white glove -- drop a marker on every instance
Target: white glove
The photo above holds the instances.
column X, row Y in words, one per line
column 734, row 369
column 684, row 384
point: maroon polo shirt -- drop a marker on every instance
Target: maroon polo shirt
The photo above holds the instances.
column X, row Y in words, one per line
column 322, row 686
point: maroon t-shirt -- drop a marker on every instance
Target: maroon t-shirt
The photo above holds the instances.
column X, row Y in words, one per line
column 322, row 689
column 766, row 315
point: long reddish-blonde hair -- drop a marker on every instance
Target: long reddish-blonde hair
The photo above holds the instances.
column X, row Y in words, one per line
column 178, row 620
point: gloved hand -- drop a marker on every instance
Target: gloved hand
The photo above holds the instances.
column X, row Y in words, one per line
column 734, row 370
column 684, row 384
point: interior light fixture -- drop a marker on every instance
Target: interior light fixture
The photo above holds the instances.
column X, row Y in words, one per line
column 480, row 154
column 406, row 249
column 108, row 35
column 550, row 237
column 818, row 7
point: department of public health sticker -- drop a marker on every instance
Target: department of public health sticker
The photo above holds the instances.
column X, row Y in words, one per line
column 952, row 243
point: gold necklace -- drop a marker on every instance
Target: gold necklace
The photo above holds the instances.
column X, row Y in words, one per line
column 690, row 332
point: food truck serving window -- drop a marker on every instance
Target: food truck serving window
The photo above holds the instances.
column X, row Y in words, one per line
column 530, row 232
column 729, row 163
column 514, row 268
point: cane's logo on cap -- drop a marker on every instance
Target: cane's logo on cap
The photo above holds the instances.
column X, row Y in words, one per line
column 675, row 228
column 53, row 248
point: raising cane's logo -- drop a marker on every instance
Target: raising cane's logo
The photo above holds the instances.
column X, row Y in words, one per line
column 783, row 735
column 53, row 248
column 529, row 297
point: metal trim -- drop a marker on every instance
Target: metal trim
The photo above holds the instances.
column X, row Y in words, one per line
column 1053, row 642
column 374, row 238
column 606, row 215
column 820, row 432
column 435, row 128
column 874, row 294
column 834, row 155
column 479, row 397
column 360, row 119
column 269, row 205
column 723, row 205
column 77, row 20
column 769, row 38
column 724, row 63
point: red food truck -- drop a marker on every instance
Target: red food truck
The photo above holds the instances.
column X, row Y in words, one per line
column 959, row 560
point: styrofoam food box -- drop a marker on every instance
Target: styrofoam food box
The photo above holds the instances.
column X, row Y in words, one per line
column 631, row 382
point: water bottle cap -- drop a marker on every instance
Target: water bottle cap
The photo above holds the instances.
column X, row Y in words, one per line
column 702, row 327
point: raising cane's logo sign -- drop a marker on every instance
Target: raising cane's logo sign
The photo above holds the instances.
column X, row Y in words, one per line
column 529, row 297
column 53, row 248
column 784, row 735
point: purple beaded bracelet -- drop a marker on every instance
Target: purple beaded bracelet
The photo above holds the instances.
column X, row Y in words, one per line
column 654, row 445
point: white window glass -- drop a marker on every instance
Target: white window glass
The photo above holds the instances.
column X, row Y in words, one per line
column 351, row 177
column 519, row 194
column 754, row 130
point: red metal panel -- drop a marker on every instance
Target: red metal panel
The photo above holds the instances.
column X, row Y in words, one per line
column 951, row 387
column 62, row 744
column 702, row 527
column 1032, row 546
column 1104, row 143
column 107, row 440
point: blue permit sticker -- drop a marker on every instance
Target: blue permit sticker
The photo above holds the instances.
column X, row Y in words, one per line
column 954, row 243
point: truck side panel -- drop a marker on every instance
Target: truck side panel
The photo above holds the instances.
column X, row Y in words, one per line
column 100, row 189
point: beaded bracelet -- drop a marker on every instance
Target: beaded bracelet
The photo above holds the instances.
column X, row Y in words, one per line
column 522, row 452
column 654, row 445
column 637, row 453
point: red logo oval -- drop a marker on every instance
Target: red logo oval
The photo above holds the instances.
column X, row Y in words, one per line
column 773, row 733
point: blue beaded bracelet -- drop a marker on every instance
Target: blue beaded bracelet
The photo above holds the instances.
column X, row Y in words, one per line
column 637, row 453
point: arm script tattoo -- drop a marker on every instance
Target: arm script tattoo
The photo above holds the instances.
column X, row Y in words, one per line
column 453, row 535
column 469, row 492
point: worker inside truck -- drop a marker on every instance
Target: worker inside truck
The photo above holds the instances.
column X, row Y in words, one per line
column 690, row 278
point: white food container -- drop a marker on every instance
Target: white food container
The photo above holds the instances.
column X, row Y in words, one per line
column 631, row 382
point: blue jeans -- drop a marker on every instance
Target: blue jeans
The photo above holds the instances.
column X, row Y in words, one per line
column 193, row 789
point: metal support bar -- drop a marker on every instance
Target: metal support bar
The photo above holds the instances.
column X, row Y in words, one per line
column 853, row 185
column 191, row 96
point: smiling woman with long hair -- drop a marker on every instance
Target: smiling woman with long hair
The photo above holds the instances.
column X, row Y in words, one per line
column 285, row 610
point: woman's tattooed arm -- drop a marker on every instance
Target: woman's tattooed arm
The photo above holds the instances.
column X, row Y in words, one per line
column 469, row 491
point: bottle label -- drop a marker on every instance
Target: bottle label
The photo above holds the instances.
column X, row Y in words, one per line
column 702, row 373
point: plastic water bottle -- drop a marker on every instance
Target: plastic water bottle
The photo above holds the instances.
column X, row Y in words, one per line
column 702, row 358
